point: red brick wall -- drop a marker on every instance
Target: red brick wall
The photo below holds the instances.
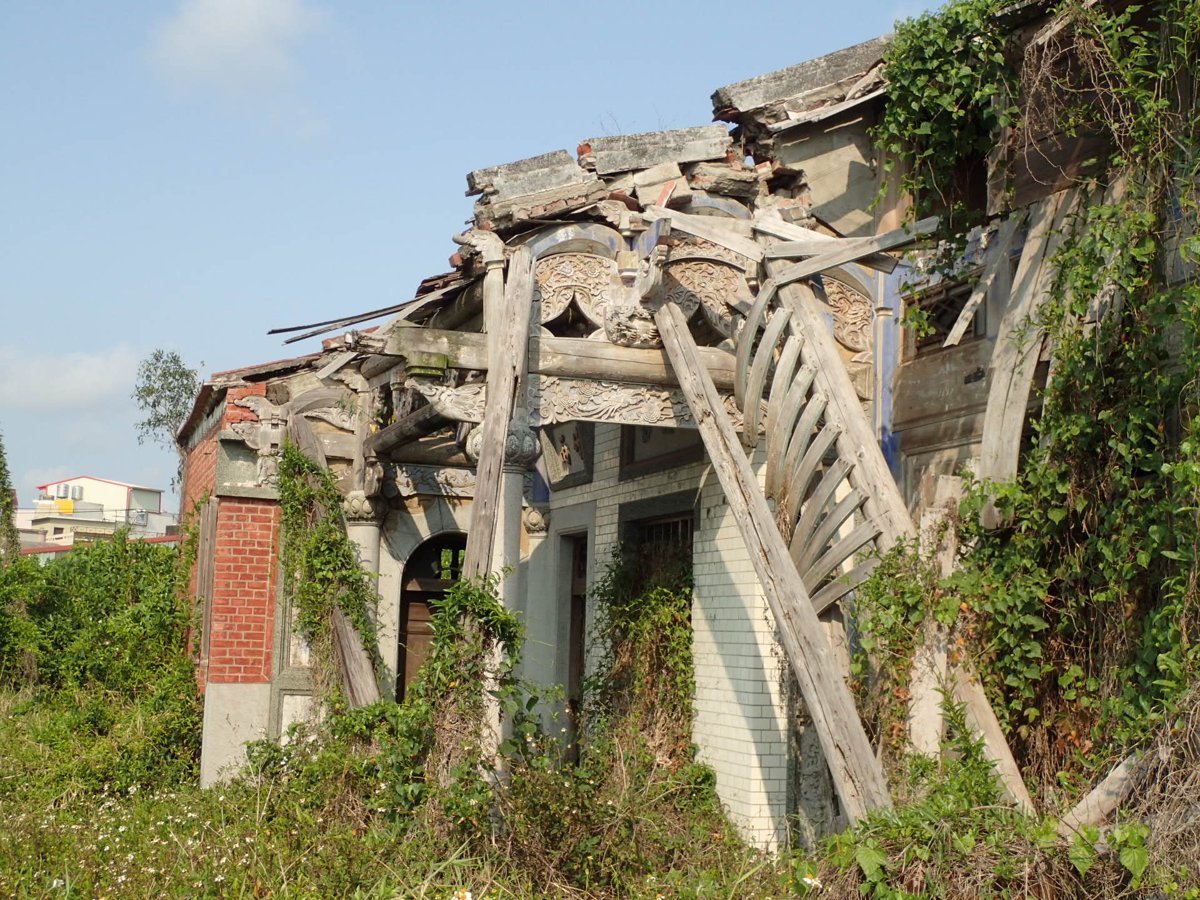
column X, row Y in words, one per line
column 243, row 603
column 242, row 607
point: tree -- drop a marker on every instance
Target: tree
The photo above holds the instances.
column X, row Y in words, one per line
column 10, row 542
column 165, row 390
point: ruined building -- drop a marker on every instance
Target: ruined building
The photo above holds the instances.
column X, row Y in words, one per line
column 688, row 336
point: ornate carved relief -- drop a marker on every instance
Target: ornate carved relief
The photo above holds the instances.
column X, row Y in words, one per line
column 564, row 399
column 336, row 416
column 583, row 277
column 687, row 246
column 712, row 286
column 407, row 481
column 462, row 404
column 358, row 507
column 520, row 444
column 632, row 325
column 852, row 315
column 536, row 519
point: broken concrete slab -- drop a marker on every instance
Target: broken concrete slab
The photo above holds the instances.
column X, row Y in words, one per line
column 527, row 176
column 626, row 152
column 763, row 90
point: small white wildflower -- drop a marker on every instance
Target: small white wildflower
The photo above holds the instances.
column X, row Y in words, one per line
column 812, row 881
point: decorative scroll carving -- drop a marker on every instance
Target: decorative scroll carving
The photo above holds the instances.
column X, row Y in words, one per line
column 520, row 444
column 462, row 404
column 852, row 315
column 583, row 277
column 336, row 416
column 564, row 399
column 710, row 285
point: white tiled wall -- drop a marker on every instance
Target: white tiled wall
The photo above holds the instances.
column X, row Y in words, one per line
column 741, row 704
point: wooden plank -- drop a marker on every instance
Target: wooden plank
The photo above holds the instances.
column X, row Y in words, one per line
column 857, row 774
column 840, row 254
column 809, row 246
column 779, row 439
column 566, row 357
column 982, row 720
column 719, row 230
column 507, row 367
column 354, row 663
column 858, row 442
column 763, row 359
column 786, row 231
column 999, row 259
column 746, row 338
column 806, row 547
column 843, row 584
column 1018, row 344
column 335, row 362
column 816, row 452
column 799, row 439
column 1102, row 801
column 820, row 497
column 785, row 374
column 859, row 537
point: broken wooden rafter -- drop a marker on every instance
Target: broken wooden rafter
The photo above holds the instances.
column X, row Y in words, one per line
column 318, row 328
column 841, row 253
column 857, row 774
column 998, row 258
column 772, row 226
column 507, row 366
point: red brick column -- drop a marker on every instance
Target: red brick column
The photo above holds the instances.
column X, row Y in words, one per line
column 243, row 602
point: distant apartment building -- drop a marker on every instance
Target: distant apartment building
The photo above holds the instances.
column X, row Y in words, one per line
column 86, row 508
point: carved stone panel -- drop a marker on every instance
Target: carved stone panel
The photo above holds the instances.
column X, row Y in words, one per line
column 583, row 277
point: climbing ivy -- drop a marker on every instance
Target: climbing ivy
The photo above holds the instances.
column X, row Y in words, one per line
column 1082, row 609
column 950, row 75
column 320, row 566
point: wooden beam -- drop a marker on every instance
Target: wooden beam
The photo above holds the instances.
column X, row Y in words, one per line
column 787, row 231
column 506, row 367
column 1018, row 345
column 842, row 253
column 425, row 420
column 999, row 259
column 982, row 720
column 857, row 774
column 564, row 357
column 1102, row 801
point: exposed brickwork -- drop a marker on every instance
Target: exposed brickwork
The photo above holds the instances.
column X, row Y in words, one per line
column 235, row 413
column 243, row 602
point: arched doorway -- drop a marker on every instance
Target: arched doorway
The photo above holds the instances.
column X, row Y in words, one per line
column 430, row 571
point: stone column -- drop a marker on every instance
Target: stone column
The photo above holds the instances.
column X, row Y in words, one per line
column 362, row 527
column 541, row 600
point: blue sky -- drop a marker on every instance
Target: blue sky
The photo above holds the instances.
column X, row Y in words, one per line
column 188, row 175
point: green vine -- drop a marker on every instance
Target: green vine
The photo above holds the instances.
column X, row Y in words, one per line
column 320, row 566
column 949, row 76
column 1082, row 610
